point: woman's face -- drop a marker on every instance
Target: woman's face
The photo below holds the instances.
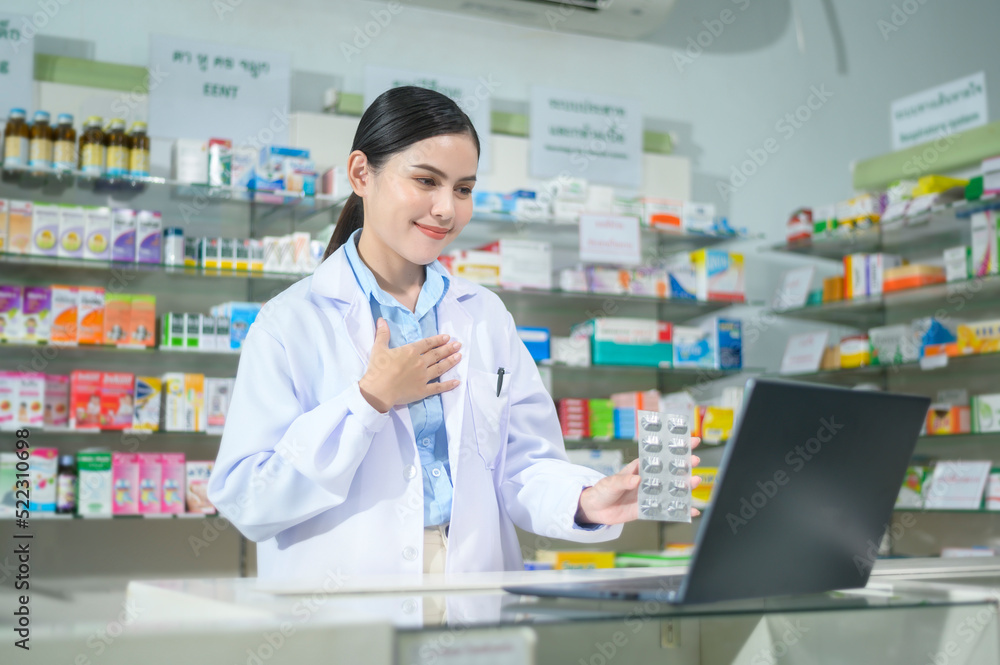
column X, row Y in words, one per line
column 422, row 198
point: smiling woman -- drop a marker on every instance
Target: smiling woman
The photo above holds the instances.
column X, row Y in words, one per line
column 386, row 416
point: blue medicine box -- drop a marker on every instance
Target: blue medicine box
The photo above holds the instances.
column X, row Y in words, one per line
column 537, row 341
column 624, row 423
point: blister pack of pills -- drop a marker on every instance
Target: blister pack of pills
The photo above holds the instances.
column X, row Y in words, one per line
column 664, row 467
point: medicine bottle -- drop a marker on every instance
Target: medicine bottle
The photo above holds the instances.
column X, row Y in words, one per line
column 41, row 142
column 138, row 151
column 117, row 149
column 92, row 150
column 64, row 152
column 66, row 485
column 15, row 152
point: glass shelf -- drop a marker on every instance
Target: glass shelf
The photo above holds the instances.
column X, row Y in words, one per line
column 55, row 517
column 955, row 439
column 978, row 363
column 943, row 226
column 981, row 293
column 106, row 438
column 180, row 203
column 977, row 511
column 692, row 372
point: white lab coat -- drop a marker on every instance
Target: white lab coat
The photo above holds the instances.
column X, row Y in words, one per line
column 327, row 485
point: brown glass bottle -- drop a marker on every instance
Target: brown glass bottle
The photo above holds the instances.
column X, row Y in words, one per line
column 138, row 151
column 64, row 150
column 40, row 138
column 117, row 149
column 92, row 148
column 16, row 140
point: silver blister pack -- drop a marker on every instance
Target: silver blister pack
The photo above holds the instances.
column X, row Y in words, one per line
column 664, row 467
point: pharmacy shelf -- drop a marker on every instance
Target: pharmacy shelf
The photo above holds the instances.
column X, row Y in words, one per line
column 64, row 359
column 122, row 439
column 180, row 203
column 977, row 511
column 955, row 439
column 958, row 298
column 568, row 302
column 933, row 231
column 962, row 366
column 692, row 373
column 51, row 517
column 24, row 264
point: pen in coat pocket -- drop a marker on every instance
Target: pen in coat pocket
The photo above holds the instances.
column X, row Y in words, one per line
column 500, row 373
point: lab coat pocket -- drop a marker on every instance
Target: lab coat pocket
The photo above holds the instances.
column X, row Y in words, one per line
column 488, row 412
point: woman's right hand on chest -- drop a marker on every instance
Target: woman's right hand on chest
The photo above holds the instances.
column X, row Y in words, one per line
column 404, row 374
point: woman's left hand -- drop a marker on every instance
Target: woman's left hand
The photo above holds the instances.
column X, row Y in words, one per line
column 615, row 499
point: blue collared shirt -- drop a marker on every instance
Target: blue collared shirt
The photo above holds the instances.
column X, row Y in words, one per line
column 427, row 415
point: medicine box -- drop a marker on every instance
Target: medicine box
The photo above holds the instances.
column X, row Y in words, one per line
column 11, row 301
column 698, row 217
column 149, row 234
column 716, row 424
column 117, row 310
column 218, row 393
column 123, row 235
column 19, row 227
column 958, row 263
column 663, row 214
column 94, row 478
column 72, row 232
column 719, row 275
column 628, row 341
column 984, row 243
column 198, row 473
column 571, row 351
column 993, row 490
column 97, row 234
column 536, row 340
column 117, row 406
column 727, row 342
column 42, row 466
column 150, row 483
column 242, row 316
column 978, row 337
column 607, row 462
column 36, row 315
column 893, row 345
column 525, row 264
column 608, row 280
column 85, row 399
column 173, row 474
column 986, row 413
column 174, row 403
column 30, row 401
column 649, row 281
column 142, row 321
column 56, row 401
column 125, row 483
column 694, row 347
column 190, row 161
column 192, row 332
column 4, row 225
column 148, row 391
column 948, row 419
column 45, row 230
column 90, row 315
column 8, row 480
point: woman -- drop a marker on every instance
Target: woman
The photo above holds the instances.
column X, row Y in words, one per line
column 386, row 417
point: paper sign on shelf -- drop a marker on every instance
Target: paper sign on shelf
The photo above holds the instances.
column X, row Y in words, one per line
column 202, row 90
column 472, row 96
column 804, row 352
column 940, row 111
column 794, row 289
column 597, row 137
column 610, row 239
column 17, row 62
column 957, row 485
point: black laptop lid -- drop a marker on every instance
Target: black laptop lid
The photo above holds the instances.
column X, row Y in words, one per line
column 805, row 490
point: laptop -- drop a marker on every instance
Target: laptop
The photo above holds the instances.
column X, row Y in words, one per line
column 803, row 495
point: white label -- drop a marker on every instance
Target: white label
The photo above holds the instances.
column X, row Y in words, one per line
column 794, row 289
column 607, row 239
column 804, row 352
column 581, row 135
column 472, row 96
column 939, row 111
column 17, row 61
column 957, row 485
column 933, row 362
column 202, row 90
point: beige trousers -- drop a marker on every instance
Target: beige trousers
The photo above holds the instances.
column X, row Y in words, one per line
column 435, row 554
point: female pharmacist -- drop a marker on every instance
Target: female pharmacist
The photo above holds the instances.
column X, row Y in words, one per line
column 386, row 417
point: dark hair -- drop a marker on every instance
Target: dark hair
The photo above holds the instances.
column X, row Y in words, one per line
column 397, row 119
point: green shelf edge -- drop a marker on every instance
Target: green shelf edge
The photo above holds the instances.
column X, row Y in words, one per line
column 129, row 78
column 958, row 151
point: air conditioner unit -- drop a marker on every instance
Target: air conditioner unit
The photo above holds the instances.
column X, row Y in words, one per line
column 616, row 19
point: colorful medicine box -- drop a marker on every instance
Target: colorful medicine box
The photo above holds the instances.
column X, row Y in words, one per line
column 56, row 401
column 719, row 275
column 948, row 419
column 94, row 477
column 173, row 475
column 150, row 483
column 536, row 340
column 979, row 337
column 627, row 341
column 42, row 466
column 196, row 492
column 148, row 392
column 85, row 399
column 125, row 483
column 986, row 413
column 36, row 315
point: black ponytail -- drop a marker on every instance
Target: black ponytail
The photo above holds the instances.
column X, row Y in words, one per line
column 397, row 119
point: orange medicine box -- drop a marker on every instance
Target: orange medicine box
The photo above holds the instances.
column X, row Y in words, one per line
column 117, row 311
column 85, row 399
column 90, row 317
column 19, row 221
column 142, row 321
column 65, row 315
column 948, row 419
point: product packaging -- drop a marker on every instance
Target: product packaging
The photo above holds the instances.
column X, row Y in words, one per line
column 536, row 340
column 30, row 401
column 192, row 332
column 72, row 232
column 19, row 225
column 198, row 473
column 958, row 263
column 150, row 483
column 719, row 274
column 117, row 311
column 97, row 243
column 56, row 401
column 8, row 480
column 978, row 337
column 173, row 474
column 628, row 341
column 984, row 243
column 911, row 495
column 227, row 254
column 11, row 301
column 85, row 399
column 125, row 483
column 525, row 264
column 149, row 237
column 716, row 423
column 243, row 167
column 993, row 490
column 855, row 351
column 4, row 225
column 650, row 281
column 944, row 419
column 664, row 467
column 957, row 485
column 477, row 266
column 894, row 345
column 220, row 162
column 607, row 462
column 571, row 351
column 9, row 386
column 662, row 214
column 192, row 252
column 986, row 413
column 573, row 280
column 602, row 419
column 123, row 235
column 726, row 342
column 45, row 230
column 148, row 391
column 90, row 315
column 698, row 217
column 95, row 482
column 190, row 161
column 43, row 463
column 117, row 407
column 694, row 347
column 218, row 393
column 206, row 333
column 878, row 272
column 683, row 278
column 608, row 280
column 36, row 315
column 142, row 321
column 242, row 316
